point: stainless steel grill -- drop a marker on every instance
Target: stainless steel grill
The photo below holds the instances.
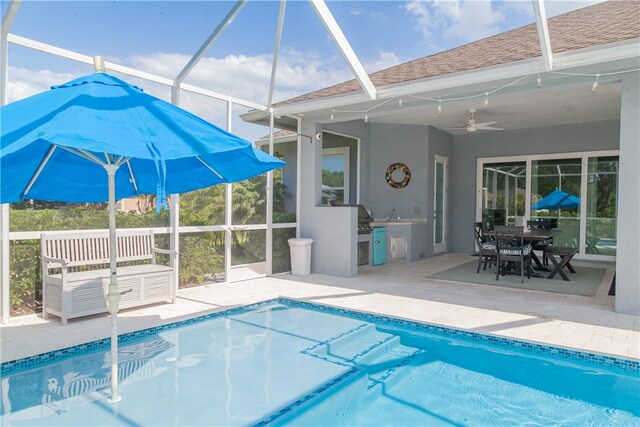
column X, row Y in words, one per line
column 364, row 221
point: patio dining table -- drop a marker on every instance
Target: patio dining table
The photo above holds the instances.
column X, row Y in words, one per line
column 528, row 236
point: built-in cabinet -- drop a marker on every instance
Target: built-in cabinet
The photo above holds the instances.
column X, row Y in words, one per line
column 406, row 241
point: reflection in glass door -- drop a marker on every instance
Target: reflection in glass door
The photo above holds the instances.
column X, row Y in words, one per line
column 335, row 176
column 503, row 193
column 440, row 205
column 562, row 176
column 602, row 192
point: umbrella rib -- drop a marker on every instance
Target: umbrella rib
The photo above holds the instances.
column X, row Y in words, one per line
column 42, row 165
column 122, row 159
column 133, row 179
column 83, row 154
column 209, row 167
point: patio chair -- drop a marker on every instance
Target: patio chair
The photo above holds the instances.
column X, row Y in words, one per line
column 486, row 248
column 514, row 251
column 542, row 245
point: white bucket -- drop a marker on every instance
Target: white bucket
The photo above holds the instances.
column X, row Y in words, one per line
column 300, row 256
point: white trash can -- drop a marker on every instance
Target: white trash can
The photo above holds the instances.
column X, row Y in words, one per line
column 300, row 256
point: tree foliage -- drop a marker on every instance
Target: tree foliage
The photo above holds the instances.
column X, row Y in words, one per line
column 201, row 254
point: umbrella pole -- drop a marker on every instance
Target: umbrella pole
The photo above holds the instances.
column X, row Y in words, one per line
column 113, row 296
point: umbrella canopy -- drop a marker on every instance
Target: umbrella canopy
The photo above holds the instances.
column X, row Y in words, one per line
column 557, row 200
column 162, row 148
column 99, row 138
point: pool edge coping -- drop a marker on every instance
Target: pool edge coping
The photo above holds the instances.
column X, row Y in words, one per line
column 602, row 359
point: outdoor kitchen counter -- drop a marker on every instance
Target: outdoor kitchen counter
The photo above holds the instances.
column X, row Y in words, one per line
column 406, row 238
column 381, row 222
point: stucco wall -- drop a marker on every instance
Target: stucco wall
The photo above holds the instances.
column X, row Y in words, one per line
column 628, row 255
column 406, row 144
column 468, row 148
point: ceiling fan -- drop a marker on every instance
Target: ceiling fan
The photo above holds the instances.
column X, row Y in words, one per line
column 473, row 126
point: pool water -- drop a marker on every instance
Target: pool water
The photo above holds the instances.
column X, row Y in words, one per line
column 291, row 363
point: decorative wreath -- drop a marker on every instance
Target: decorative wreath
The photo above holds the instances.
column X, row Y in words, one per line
column 401, row 167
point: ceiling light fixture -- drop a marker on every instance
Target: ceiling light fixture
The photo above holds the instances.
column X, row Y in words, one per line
column 595, row 84
column 400, row 103
column 539, row 81
column 366, row 117
column 439, row 106
column 486, row 100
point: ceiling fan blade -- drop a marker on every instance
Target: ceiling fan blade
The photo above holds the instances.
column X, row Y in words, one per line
column 457, row 128
column 483, row 124
column 490, row 128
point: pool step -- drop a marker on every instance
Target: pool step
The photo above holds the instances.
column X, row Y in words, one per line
column 356, row 347
column 388, row 373
column 380, row 354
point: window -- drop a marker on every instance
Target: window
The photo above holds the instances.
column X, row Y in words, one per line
column 335, row 176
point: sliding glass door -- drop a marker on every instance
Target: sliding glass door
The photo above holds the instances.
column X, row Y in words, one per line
column 503, row 193
column 578, row 190
column 555, row 194
column 602, row 196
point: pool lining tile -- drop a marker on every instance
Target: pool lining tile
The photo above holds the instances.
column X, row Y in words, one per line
column 59, row 354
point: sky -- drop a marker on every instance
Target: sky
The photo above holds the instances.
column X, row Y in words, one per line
column 161, row 36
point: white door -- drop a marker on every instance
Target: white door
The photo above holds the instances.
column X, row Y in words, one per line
column 440, row 205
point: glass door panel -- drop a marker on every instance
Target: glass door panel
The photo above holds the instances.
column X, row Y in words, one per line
column 602, row 190
column 562, row 177
column 440, row 205
column 503, row 193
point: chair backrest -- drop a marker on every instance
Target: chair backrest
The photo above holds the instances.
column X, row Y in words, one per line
column 479, row 235
column 93, row 248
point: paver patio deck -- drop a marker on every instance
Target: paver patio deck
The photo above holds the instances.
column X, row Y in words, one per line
column 399, row 290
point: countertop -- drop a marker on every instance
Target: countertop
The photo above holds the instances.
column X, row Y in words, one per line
column 379, row 222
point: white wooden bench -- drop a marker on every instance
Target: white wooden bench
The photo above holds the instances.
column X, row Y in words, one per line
column 82, row 293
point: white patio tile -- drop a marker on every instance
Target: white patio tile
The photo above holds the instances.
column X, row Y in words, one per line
column 398, row 290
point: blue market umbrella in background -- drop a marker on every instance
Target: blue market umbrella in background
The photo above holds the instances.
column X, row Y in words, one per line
column 557, row 200
column 99, row 138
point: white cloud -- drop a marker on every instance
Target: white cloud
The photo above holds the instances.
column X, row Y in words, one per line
column 24, row 82
column 242, row 76
column 465, row 20
column 377, row 16
column 384, row 60
column 552, row 7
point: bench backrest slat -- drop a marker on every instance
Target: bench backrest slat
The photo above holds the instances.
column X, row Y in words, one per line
column 93, row 248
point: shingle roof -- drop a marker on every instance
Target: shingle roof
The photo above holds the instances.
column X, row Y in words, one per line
column 602, row 23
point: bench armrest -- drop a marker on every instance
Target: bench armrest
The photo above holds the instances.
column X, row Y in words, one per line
column 62, row 262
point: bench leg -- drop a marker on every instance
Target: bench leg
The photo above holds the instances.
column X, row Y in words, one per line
column 558, row 267
column 569, row 266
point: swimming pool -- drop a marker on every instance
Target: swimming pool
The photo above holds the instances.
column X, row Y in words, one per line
column 289, row 362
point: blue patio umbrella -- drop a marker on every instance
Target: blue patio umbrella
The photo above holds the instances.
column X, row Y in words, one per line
column 557, row 200
column 99, row 138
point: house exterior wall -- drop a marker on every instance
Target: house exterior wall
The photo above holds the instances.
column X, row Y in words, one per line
column 406, row 144
column 332, row 229
column 628, row 239
column 545, row 140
